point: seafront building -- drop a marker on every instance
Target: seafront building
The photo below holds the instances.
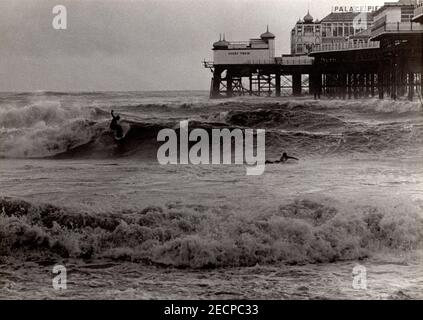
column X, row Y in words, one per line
column 306, row 35
column 337, row 27
column 347, row 54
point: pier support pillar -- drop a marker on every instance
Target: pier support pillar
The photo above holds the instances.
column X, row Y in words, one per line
column 250, row 89
column 296, row 84
column 229, row 87
column 343, row 83
column 372, row 84
column 215, row 85
column 380, row 83
column 394, row 80
column 421, row 82
column 278, row 84
column 319, row 84
column 410, row 86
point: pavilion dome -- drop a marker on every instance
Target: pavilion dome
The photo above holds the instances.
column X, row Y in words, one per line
column 267, row 34
column 308, row 17
column 221, row 43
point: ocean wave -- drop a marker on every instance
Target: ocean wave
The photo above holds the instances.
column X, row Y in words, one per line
column 89, row 138
column 308, row 128
column 284, row 119
column 365, row 106
column 303, row 231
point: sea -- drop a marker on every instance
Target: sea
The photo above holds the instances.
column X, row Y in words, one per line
column 124, row 226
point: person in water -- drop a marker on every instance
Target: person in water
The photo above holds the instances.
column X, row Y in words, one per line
column 284, row 158
column 115, row 126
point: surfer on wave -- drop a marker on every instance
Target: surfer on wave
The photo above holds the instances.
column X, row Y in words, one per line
column 283, row 159
column 115, row 126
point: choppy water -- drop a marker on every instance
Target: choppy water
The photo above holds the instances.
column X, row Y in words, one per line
column 127, row 227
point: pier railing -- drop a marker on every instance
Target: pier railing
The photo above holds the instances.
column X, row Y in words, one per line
column 345, row 46
column 396, row 28
column 296, row 61
column 287, row 61
column 259, row 62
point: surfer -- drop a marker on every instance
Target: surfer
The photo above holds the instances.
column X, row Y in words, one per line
column 284, row 158
column 115, row 126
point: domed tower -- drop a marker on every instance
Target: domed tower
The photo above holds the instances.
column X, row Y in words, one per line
column 221, row 44
column 267, row 35
column 308, row 18
column 270, row 39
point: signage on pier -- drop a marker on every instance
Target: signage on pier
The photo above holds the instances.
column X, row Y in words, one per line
column 354, row 8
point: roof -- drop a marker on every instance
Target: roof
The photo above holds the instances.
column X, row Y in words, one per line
column 344, row 16
column 221, row 43
column 308, row 17
column 267, row 34
column 400, row 3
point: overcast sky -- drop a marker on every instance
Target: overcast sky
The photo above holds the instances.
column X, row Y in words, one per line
column 134, row 45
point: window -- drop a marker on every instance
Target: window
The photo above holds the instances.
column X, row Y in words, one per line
column 340, row 30
column 335, row 30
column 346, row 29
column 317, row 29
column 327, row 30
column 407, row 14
column 299, row 48
column 308, row 30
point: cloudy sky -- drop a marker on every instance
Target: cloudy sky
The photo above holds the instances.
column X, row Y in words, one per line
column 134, row 44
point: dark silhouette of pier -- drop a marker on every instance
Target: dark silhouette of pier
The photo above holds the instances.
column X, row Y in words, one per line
column 390, row 65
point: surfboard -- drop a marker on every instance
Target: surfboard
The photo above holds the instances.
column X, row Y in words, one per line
column 125, row 132
column 119, row 138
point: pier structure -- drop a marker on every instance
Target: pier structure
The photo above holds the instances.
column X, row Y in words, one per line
column 389, row 65
column 251, row 68
column 384, row 60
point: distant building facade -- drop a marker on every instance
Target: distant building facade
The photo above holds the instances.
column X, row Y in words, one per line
column 305, row 36
column 338, row 27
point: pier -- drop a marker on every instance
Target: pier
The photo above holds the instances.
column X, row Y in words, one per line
column 282, row 77
column 384, row 60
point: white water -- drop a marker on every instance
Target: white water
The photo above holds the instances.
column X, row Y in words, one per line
column 365, row 178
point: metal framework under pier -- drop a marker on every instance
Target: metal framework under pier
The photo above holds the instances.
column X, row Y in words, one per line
column 259, row 80
column 394, row 70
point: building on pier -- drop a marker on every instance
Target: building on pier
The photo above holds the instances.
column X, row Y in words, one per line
column 258, row 51
column 251, row 68
column 338, row 26
column 385, row 59
column 306, row 35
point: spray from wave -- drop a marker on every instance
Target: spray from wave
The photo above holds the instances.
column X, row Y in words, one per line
column 45, row 129
column 303, row 231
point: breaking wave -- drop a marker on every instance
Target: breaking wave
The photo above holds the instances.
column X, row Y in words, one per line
column 308, row 127
column 303, row 231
